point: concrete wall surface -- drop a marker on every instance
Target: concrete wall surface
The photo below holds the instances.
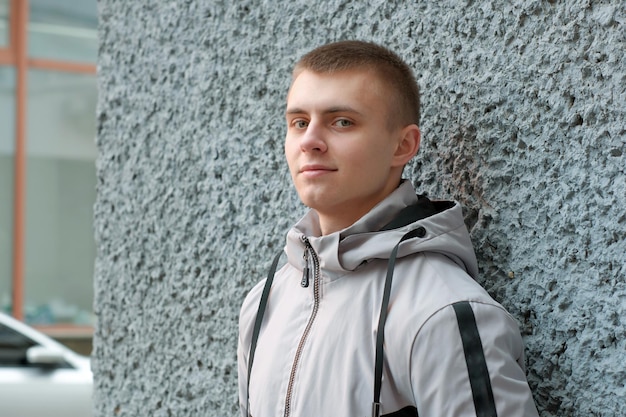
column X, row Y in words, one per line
column 524, row 120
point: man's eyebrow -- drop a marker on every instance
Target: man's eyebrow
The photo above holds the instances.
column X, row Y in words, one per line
column 294, row 110
column 330, row 110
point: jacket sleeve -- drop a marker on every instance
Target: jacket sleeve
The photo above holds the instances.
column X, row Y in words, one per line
column 467, row 360
column 242, row 372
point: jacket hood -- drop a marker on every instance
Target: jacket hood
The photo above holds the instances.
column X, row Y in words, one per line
column 374, row 235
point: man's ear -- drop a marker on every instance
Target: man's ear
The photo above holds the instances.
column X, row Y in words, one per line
column 408, row 145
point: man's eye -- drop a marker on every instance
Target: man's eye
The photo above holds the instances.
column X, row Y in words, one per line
column 343, row 123
column 300, row 124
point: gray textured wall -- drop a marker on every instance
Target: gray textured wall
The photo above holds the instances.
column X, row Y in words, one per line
column 523, row 121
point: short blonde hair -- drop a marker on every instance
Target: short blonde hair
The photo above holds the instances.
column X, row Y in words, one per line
column 388, row 66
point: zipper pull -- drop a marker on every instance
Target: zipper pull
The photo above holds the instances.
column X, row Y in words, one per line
column 305, row 272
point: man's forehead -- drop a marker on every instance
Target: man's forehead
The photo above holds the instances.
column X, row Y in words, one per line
column 337, row 89
column 371, row 73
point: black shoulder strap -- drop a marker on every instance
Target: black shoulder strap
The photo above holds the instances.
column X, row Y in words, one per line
column 420, row 210
column 257, row 323
column 384, row 307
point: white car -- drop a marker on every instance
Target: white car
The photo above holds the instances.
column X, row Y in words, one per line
column 39, row 376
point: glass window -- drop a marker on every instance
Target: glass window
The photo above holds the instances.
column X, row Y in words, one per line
column 7, row 149
column 63, row 30
column 60, row 194
column 4, row 23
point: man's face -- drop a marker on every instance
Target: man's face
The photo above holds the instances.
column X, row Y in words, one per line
column 340, row 145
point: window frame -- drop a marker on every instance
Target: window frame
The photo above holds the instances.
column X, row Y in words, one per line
column 16, row 56
column 7, row 53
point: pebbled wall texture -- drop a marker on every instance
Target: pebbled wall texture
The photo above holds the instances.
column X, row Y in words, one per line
column 524, row 122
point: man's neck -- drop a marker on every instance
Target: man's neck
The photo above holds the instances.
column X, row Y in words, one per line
column 333, row 219
column 335, row 222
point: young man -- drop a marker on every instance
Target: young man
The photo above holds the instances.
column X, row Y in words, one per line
column 376, row 311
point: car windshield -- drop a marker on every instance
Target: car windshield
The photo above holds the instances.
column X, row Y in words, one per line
column 13, row 347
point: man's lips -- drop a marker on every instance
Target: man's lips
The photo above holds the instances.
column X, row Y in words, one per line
column 312, row 170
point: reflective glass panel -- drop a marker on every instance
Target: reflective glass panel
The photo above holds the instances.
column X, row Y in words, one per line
column 4, row 23
column 7, row 149
column 63, row 30
column 60, row 194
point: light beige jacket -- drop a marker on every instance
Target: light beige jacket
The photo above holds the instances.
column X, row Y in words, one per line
column 316, row 349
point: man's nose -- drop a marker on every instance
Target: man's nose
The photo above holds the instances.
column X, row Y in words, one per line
column 314, row 138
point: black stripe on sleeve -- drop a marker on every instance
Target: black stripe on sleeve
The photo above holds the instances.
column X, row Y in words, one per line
column 475, row 360
column 408, row 411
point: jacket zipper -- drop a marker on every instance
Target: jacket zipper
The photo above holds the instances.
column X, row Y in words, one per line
column 308, row 251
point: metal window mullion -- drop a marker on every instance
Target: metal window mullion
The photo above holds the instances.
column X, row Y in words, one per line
column 19, row 41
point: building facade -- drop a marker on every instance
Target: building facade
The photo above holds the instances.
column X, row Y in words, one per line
column 48, row 96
